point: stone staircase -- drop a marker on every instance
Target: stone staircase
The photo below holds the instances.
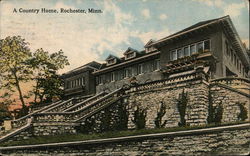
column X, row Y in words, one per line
column 66, row 104
column 81, row 110
column 70, row 112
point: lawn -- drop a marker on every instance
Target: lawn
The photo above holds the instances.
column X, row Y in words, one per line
column 111, row 134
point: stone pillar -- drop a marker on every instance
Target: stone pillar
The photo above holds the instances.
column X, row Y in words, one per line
column 7, row 125
column 197, row 107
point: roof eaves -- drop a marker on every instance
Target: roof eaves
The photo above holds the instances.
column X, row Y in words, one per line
column 189, row 30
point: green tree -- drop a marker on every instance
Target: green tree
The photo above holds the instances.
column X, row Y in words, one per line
column 45, row 74
column 19, row 66
column 14, row 53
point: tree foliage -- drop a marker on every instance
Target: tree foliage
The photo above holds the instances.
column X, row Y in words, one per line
column 14, row 70
column 4, row 112
column 45, row 67
column 18, row 65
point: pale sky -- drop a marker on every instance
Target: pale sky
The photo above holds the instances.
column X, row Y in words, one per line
column 123, row 24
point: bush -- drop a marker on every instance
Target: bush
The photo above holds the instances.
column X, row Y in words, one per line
column 140, row 118
column 182, row 106
column 160, row 114
column 243, row 112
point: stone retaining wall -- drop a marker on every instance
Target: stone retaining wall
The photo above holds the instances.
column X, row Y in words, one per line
column 229, row 99
column 228, row 140
column 152, row 99
column 43, row 129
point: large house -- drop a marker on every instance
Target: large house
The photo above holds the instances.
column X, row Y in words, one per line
column 214, row 44
column 80, row 81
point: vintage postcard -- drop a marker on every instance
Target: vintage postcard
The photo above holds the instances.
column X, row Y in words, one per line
column 117, row 77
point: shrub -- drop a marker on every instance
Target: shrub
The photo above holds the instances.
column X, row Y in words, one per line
column 182, row 106
column 140, row 118
column 160, row 114
column 243, row 112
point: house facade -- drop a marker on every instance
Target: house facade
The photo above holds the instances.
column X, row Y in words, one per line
column 134, row 67
column 213, row 45
column 80, row 81
column 217, row 39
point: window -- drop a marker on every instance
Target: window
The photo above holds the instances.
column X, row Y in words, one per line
column 139, row 69
column 112, row 76
column 186, row 51
column 207, row 45
column 128, row 72
column 67, row 84
column 122, row 72
column 83, row 81
column 111, row 61
column 78, row 82
column 100, row 79
column 180, row 53
column 157, row 64
column 130, row 55
column 97, row 80
column 199, row 47
column 192, row 49
column 116, row 75
column 174, row 55
column 150, row 66
column 149, row 49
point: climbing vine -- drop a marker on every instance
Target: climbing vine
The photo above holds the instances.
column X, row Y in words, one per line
column 182, row 106
column 211, row 109
column 106, row 120
column 121, row 121
column 140, row 118
column 160, row 114
column 215, row 113
column 243, row 112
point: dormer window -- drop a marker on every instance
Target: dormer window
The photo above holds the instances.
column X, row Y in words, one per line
column 111, row 60
column 130, row 53
column 148, row 47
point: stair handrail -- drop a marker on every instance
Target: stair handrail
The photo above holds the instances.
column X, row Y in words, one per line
column 69, row 100
column 85, row 101
column 23, row 119
column 96, row 110
column 18, row 130
column 70, row 114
